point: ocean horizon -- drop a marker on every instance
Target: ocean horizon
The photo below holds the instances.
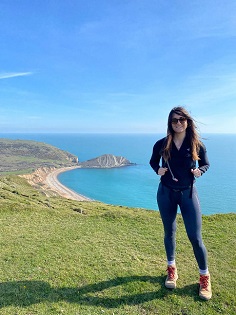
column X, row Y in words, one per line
column 136, row 186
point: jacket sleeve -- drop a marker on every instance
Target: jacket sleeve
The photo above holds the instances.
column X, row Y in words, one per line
column 203, row 163
column 156, row 156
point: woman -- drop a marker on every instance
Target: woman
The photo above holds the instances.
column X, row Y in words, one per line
column 180, row 152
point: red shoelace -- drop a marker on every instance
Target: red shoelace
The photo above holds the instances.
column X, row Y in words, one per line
column 171, row 272
column 204, row 281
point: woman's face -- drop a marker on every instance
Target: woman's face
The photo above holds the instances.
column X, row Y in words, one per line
column 179, row 123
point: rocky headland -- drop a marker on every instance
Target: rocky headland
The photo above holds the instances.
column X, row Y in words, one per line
column 106, row 161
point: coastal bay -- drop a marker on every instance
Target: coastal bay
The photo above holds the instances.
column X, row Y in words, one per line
column 47, row 178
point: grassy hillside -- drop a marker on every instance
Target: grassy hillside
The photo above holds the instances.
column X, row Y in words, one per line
column 61, row 256
column 17, row 156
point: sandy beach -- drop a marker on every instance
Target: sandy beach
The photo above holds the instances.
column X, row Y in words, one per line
column 46, row 179
column 53, row 182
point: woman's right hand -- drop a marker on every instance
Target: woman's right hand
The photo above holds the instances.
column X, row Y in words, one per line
column 162, row 171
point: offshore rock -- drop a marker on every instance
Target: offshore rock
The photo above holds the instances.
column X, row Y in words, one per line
column 106, row 161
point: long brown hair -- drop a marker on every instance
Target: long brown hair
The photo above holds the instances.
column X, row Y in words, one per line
column 191, row 133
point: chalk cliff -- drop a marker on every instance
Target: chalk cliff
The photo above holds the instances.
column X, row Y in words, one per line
column 106, row 161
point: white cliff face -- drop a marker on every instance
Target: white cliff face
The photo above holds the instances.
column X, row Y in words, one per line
column 106, row 161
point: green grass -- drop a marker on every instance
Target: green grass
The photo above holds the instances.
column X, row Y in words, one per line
column 17, row 156
column 86, row 258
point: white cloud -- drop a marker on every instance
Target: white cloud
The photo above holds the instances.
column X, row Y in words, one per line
column 14, row 74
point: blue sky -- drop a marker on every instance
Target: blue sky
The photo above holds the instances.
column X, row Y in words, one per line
column 116, row 65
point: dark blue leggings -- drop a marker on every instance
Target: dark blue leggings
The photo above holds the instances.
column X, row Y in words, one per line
column 168, row 202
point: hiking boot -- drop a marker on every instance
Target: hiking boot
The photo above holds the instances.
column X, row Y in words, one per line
column 171, row 278
column 205, row 292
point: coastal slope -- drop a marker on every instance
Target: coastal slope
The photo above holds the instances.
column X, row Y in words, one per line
column 61, row 256
column 45, row 180
column 20, row 156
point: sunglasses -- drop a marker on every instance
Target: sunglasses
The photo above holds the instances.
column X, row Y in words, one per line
column 181, row 120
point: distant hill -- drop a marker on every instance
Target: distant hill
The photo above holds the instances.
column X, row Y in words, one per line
column 25, row 156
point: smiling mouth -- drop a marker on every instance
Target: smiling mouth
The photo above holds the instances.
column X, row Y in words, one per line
column 179, row 127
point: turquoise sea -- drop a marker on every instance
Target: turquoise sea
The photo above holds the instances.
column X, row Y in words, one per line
column 136, row 186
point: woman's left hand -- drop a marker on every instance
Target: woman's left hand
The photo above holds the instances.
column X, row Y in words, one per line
column 196, row 172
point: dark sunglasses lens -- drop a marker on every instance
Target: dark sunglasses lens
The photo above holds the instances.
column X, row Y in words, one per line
column 181, row 120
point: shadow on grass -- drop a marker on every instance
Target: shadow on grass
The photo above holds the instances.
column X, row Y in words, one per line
column 25, row 293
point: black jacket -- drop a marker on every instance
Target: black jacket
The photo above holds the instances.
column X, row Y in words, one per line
column 180, row 163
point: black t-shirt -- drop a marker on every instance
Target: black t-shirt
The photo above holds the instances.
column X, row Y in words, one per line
column 180, row 163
